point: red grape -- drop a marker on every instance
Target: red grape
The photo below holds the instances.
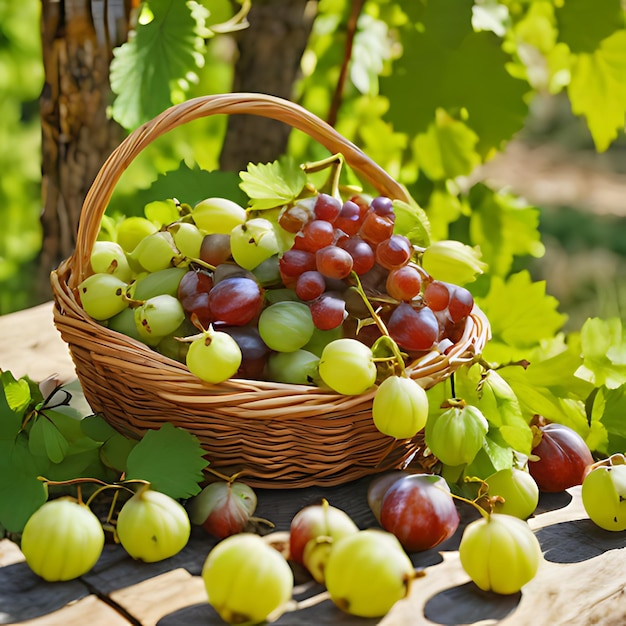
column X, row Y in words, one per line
column 563, row 458
column 193, row 293
column 310, row 285
column 333, row 262
column 404, row 283
column 376, row 228
column 394, row 252
column 349, row 218
column 294, row 262
column 327, row 207
column 315, row 235
column 363, row 257
column 419, row 511
column 460, row 304
column 437, row 295
column 254, row 352
column 215, row 249
column 382, row 205
column 328, row 312
column 413, row 329
column 235, row 300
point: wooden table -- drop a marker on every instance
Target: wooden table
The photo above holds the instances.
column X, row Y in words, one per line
column 581, row 582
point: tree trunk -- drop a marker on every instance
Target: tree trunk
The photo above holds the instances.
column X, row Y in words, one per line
column 270, row 50
column 77, row 39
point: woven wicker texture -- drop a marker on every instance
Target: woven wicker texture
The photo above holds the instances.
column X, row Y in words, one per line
column 277, row 435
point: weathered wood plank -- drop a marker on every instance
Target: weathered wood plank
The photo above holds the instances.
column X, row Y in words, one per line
column 90, row 610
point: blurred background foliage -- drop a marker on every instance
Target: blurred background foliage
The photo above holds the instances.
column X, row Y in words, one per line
column 553, row 159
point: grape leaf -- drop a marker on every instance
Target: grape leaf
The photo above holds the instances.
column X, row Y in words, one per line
column 45, row 439
column 191, row 185
column 603, row 345
column 115, row 450
column 447, row 148
column 21, row 493
column 519, row 310
column 10, row 419
column 609, row 408
column 167, row 46
column 171, row 459
column 97, row 428
column 597, row 89
column 452, row 67
column 583, row 24
column 494, row 455
column 444, row 208
column 16, row 392
column 270, row 185
column 503, row 227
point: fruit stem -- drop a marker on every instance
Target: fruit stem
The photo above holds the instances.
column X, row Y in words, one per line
column 368, row 304
column 335, row 162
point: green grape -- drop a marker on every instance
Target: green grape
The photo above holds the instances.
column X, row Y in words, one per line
column 62, row 540
column 400, row 407
column 187, row 238
column 156, row 252
column 213, row 357
column 151, row 526
column 158, row 283
column 518, row 489
column 253, row 242
column 246, row 579
column 131, row 230
column 124, row 322
column 218, row 215
column 321, row 338
column 267, row 273
column 500, row 553
column 109, row 257
column 456, row 435
column 102, row 296
column 604, row 495
column 368, row 572
column 298, row 367
column 159, row 316
column 286, row 326
column 347, row 366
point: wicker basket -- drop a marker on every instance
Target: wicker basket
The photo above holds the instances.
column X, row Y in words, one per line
column 278, row 435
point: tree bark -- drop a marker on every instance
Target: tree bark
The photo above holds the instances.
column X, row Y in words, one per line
column 77, row 40
column 270, row 50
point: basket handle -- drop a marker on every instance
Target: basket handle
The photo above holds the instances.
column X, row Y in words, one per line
column 262, row 105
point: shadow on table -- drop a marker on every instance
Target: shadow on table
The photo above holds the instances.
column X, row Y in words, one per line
column 577, row 540
column 467, row 604
column 552, row 501
column 23, row 595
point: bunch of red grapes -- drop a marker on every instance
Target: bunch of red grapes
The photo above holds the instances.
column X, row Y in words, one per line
column 333, row 240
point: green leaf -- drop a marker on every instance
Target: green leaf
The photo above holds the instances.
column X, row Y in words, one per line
column 583, row 24
column 17, row 392
column 97, row 428
column 493, row 456
column 270, row 185
column 191, row 185
column 448, row 65
column 447, row 148
column 443, row 209
column 519, row 310
column 603, row 345
column 10, row 420
column 167, row 46
column 115, row 450
column 609, row 408
column 21, row 493
column 597, row 89
column 412, row 222
column 504, row 227
column 171, row 459
column 45, row 439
